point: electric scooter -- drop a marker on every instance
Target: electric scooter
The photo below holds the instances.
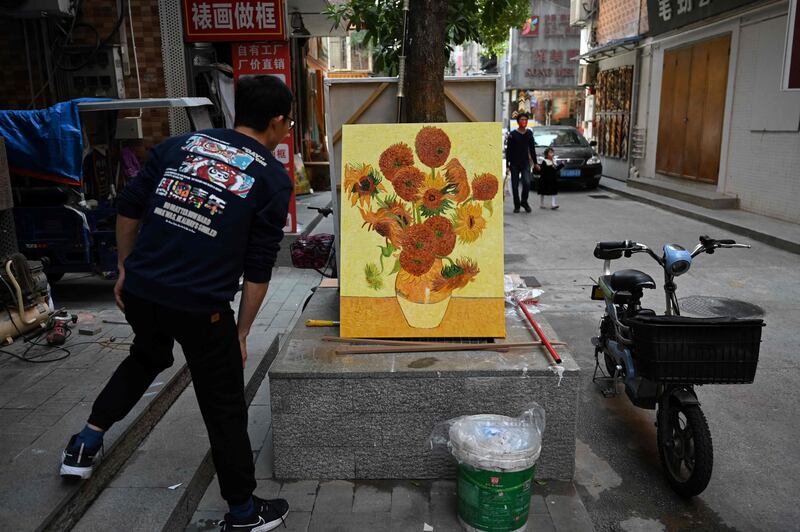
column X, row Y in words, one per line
column 661, row 358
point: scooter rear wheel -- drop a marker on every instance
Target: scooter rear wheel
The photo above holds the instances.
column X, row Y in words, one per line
column 685, row 447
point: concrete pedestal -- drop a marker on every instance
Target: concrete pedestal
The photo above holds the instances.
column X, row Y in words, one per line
column 370, row 416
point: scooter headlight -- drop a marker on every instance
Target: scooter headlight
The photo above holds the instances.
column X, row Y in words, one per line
column 676, row 259
column 679, row 267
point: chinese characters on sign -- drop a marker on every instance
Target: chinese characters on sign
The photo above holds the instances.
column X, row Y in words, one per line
column 240, row 20
column 558, row 26
column 666, row 15
column 262, row 58
column 684, row 6
column 270, row 58
column 553, row 62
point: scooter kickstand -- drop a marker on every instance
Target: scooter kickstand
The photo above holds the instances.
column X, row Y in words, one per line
column 610, row 390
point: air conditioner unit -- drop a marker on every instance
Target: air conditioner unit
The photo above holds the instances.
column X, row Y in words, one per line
column 36, row 8
column 587, row 74
column 578, row 12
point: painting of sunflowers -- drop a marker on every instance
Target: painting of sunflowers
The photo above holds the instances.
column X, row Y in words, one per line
column 422, row 231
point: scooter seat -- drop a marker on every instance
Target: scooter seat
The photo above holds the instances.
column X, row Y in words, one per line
column 629, row 280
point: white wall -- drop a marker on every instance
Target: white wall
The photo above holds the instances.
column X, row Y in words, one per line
column 763, row 167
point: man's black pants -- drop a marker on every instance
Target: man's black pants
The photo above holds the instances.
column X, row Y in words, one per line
column 525, row 175
column 211, row 346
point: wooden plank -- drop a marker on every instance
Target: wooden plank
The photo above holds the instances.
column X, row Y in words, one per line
column 460, row 105
column 361, row 110
column 329, row 283
column 665, row 111
column 499, row 347
column 716, row 89
column 373, row 341
column 680, row 105
column 434, row 347
column 380, row 341
column 695, row 110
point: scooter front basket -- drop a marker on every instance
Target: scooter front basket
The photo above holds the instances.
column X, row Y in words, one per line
column 696, row 350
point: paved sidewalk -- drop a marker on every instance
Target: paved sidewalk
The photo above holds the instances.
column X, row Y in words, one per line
column 783, row 235
column 390, row 505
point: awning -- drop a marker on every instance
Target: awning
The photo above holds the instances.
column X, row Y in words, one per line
column 610, row 49
column 141, row 103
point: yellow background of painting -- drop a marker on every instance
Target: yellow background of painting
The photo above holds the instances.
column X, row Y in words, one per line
column 478, row 147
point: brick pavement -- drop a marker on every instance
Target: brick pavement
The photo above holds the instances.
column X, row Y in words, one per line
column 390, row 505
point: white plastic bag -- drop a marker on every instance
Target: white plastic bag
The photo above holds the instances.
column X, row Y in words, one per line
column 493, row 442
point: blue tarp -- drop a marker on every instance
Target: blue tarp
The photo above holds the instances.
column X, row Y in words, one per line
column 45, row 141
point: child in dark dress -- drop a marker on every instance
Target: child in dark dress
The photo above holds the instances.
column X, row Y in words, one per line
column 548, row 185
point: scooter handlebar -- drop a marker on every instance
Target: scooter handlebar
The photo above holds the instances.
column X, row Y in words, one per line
column 613, row 250
column 708, row 245
column 620, row 245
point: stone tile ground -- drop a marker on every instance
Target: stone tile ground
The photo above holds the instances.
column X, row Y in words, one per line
column 387, row 505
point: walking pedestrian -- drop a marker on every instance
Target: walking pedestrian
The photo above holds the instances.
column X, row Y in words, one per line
column 548, row 180
column 207, row 208
column 520, row 155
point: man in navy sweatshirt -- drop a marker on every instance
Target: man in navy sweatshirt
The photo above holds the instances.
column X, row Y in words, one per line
column 520, row 155
column 207, row 208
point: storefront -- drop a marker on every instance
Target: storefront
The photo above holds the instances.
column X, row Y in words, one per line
column 228, row 40
column 543, row 75
column 716, row 118
column 556, row 107
column 611, row 91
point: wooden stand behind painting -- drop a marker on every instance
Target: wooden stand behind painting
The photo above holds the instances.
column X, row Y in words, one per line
column 422, row 231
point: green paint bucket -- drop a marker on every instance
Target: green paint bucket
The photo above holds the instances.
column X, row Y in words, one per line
column 497, row 457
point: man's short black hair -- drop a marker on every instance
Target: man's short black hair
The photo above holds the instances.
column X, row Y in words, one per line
column 260, row 99
column 522, row 115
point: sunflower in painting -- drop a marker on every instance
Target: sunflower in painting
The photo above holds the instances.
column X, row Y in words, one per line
column 468, row 222
column 362, row 184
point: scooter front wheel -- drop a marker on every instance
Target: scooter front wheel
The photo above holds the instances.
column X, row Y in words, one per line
column 685, row 448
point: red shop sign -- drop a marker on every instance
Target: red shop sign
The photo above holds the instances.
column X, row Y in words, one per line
column 270, row 58
column 239, row 20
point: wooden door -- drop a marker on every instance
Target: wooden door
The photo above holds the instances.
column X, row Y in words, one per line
column 693, row 88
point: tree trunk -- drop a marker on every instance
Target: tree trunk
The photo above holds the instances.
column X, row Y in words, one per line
column 425, row 61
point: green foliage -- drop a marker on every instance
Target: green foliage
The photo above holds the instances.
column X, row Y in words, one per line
column 373, row 276
column 453, row 270
column 381, row 25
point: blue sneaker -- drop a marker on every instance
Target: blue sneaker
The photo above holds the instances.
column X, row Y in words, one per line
column 77, row 461
column 268, row 516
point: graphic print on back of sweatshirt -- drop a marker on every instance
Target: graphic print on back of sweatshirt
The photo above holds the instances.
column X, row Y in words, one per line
column 216, row 149
column 235, row 181
column 200, row 188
